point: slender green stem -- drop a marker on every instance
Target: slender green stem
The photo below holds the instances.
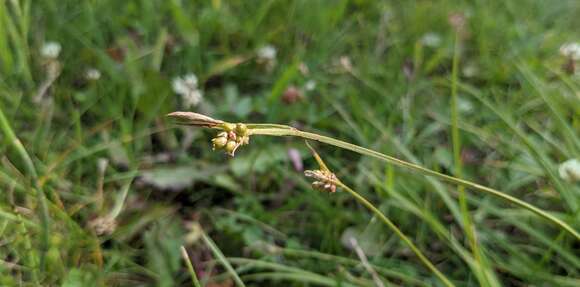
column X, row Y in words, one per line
column 280, row 276
column 31, row 259
column 120, row 201
column 17, row 144
column 397, row 231
column 364, row 151
column 411, row 280
column 456, row 140
column 220, row 256
column 190, row 269
column 458, row 165
column 261, row 126
column 43, row 212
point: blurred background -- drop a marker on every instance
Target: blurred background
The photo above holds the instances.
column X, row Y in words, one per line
column 104, row 191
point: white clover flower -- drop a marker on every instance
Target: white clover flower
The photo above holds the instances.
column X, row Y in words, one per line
column 185, row 84
column 310, row 85
column 570, row 170
column 50, row 50
column 92, row 74
column 186, row 87
column 267, row 53
column 571, row 50
column 266, row 56
column 431, row 39
column 192, row 99
column 470, row 70
column 464, row 105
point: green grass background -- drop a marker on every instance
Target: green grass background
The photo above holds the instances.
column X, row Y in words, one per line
column 517, row 115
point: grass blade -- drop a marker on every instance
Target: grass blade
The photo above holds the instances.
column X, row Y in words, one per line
column 221, row 258
column 190, row 269
column 41, row 197
column 387, row 222
column 468, row 226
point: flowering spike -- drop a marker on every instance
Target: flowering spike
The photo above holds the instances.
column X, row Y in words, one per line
column 323, row 180
column 228, row 127
column 241, row 129
column 231, row 147
column 231, row 138
column 220, row 141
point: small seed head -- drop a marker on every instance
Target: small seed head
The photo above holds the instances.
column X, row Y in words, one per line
column 103, row 225
column 228, row 127
column 231, row 147
column 219, row 142
column 324, row 180
column 241, row 129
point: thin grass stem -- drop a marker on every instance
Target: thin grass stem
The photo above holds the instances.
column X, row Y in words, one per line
column 41, row 197
column 468, row 226
column 397, row 231
column 468, row 184
column 194, row 280
column 220, row 256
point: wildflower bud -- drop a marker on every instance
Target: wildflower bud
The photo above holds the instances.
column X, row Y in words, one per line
column 292, row 95
column 457, row 20
column 219, row 142
column 231, row 147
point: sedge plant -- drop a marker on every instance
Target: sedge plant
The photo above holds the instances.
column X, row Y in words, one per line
column 232, row 136
column 325, row 180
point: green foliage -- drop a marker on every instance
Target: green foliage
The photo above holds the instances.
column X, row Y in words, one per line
column 162, row 243
column 69, row 219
